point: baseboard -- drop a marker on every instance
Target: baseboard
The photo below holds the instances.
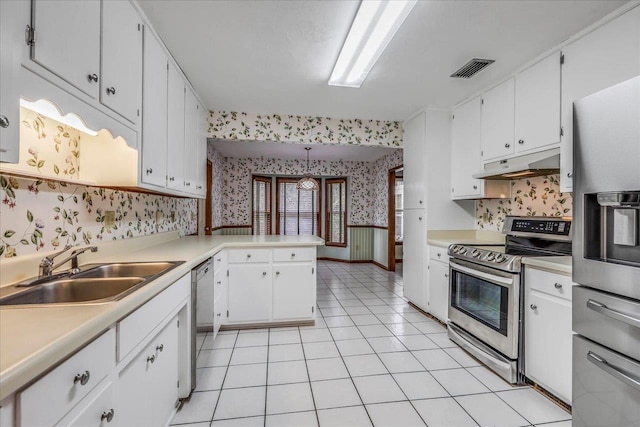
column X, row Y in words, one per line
column 262, row 325
column 354, row 261
column 377, row 264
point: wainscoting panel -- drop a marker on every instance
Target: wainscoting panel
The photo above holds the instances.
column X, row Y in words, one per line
column 381, row 246
column 361, row 243
column 236, row 231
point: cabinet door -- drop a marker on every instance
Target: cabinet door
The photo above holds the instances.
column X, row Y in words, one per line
column 201, row 166
column 175, row 130
column 98, row 411
column 204, row 310
column 154, row 113
column 414, row 161
column 121, row 87
column 415, row 257
column 292, row 291
column 68, row 41
column 603, row 58
column 220, row 305
column 10, row 38
column 538, row 105
column 134, row 393
column 439, row 290
column 497, row 121
column 191, row 112
column 548, row 343
column 250, row 293
column 465, row 150
column 165, row 374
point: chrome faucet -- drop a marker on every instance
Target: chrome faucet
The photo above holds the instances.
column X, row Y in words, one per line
column 47, row 266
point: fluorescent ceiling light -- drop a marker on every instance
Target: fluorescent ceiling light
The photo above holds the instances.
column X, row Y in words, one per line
column 49, row 110
column 373, row 28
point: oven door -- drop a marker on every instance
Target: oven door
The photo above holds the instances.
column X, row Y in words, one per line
column 486, row 303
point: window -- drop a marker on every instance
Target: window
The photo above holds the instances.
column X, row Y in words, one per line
column 297, row 212
column 261, row 218
column 336, row 231
column 399, row 191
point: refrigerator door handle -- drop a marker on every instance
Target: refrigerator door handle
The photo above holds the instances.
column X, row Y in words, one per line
column 614, row 314
column 613, row 370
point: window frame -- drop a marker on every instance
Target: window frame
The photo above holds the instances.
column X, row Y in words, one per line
column 294, row 180
column 396, row 210
column 328, row 213
column 268, row 181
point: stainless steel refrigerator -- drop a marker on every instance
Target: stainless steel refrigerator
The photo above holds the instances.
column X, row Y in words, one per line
column 606, row 258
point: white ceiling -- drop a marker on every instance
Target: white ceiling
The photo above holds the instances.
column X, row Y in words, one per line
column 276, row 150
column 275, row 56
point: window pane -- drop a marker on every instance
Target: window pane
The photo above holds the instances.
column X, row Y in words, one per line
column 336, row 211
column 298, row 210
column 261, row 206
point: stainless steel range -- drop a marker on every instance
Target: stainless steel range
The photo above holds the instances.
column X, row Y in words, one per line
column 486, row 291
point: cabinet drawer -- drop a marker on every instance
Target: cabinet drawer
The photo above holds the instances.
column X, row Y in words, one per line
column 136, row 326
column 219, row 259
column 438, row 253
column 549, row 283
column 52, row 396
column 97, row 410
column 238, row 256
column 294, row 254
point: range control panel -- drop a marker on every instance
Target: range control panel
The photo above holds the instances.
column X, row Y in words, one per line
column 555, row 227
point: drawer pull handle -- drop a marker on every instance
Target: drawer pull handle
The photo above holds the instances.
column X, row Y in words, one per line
column 206, row 270
column 614, row 371
column 521, row 141
column 108, row 415
column 111, row 90
column 598, row 307
column 558, row 285
column 82, row 378
column 533, row 307
column 151, row 358
column 172, row 178
column 160, row 347
column 4, row 122
column 264, row 273
column 93, row 77
column 507, row 145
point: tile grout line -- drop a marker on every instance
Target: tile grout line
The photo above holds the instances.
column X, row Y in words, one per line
column 215, row 407
column 304, row 355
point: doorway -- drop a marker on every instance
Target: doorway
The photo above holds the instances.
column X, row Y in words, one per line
column 395, row 219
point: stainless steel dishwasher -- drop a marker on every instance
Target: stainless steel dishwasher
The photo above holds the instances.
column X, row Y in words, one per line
column 201, row 307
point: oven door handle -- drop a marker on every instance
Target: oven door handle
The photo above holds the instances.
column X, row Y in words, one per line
column 490, row 277
column 613, row 370
column 598, row 307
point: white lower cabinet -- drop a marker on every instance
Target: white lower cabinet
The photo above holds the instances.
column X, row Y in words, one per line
column 292, row 297
column 99, row 411
column 439, row 284
column 548, row 334
column 250, row 293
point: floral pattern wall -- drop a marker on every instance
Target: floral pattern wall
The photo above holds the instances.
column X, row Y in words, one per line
column 538, row 196
column 217, row 185
column 303, row 129
column 381, row 186
column 41, row 215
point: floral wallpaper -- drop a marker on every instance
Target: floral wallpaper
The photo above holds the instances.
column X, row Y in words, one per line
column 43, row 215
column 381, row 186
column 304, row 129
column 237, row 172
column 538, row 196
column 47, row 148
column 217, row 183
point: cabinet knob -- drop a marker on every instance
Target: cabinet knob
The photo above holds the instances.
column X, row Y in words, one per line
column 198, row 187
column 507, row 145
column 533, row 307
column 219, row 282
column 111, row 90
column 293, row 255
column 419, row 218
column 107, row 415
column 521, row 141
column 160, row 347
column 557, row 285
column 149, row 171
column 248, row 256
column 420, row 201
column 82, row 378
column 93, row 77
column 277, row 273
column 452, row 189
column 264, row 273
column 4, row 122
column 188, row 184
column 219, row 259
column 438, row 254
column 446, row 275
column 475, row 187
column 219, row 314
column 151, row 358
column 570, row 174
column 172, row 178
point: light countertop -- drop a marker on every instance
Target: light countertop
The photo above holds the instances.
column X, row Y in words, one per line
column 561, row 264
column 444, row 238
column 34, row 339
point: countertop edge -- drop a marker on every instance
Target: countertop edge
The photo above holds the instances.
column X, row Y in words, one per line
column 557, row 264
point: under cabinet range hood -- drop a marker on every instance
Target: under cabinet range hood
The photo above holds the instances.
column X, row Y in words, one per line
column 525, row 166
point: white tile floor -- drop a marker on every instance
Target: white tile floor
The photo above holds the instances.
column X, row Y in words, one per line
column 370, row 359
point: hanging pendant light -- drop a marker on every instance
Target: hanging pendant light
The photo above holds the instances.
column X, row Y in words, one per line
column 307, row 183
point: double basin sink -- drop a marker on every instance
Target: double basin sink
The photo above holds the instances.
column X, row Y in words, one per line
column 95, row 283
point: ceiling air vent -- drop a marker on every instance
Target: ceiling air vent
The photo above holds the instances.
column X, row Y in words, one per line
column 472, row 67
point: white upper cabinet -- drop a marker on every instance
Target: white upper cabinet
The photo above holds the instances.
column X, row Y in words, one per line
column 175, row 130
column 465, row 150
column 154, row 117
column 67, row 35
column 191, row 113
column 11, row 36
column 121, row 87
column 497, row 121
column 414, row 150
column 606, row 56
column 201, row 166
column 537, row 112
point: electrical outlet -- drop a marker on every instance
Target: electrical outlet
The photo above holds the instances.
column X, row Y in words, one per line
column 485, row 217
column 159, row 217
column 173, row 216
column 109, row 219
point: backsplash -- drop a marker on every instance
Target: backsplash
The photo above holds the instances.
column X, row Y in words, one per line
column 42, row 215
column 303, row 129
column 537, row 196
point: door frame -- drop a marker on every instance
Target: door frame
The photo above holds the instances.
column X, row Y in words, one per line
column 391, row 220
column 208, row 202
